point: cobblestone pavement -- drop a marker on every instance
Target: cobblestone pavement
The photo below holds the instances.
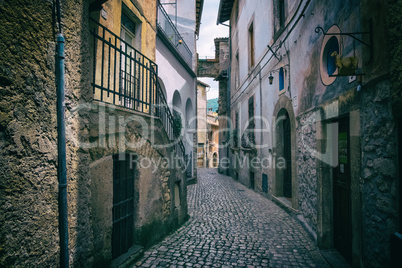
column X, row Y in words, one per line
column 232, row 226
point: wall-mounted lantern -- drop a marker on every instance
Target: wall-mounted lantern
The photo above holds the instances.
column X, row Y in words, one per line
column 271, row 78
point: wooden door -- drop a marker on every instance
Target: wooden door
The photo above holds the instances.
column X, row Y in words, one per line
column 287, row 154
column 341, row 193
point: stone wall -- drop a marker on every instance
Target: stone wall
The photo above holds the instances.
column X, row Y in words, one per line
column 29, row 205
column 208, row 68
column 394, row 20
column 224, row 136
column 379, row 169
column 306, row 169
column 157, row 173
column 28, row 146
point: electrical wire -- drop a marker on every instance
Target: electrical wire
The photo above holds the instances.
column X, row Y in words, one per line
column 279, row 46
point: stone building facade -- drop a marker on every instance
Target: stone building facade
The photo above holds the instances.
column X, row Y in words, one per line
column 314, row 102
column 213, row 140
column 126, row 177
column 218, row 68
column 202, row 124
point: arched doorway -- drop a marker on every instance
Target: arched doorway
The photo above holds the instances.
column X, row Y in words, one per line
column 215, row 160
column 285, row 183
column 283, row 155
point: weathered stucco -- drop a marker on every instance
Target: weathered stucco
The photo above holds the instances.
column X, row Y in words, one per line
column 155, row 213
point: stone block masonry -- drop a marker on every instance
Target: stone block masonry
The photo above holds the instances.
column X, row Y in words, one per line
column 379, row 186
column 307, row 169
column 28, row 175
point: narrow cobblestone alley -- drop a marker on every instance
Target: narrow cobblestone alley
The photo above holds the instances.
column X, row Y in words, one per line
column 231, row 225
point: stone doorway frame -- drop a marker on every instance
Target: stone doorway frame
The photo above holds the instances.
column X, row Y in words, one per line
column 325, row 226
column 285, row 103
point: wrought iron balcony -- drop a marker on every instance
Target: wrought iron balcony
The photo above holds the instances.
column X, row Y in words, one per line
column 169, row 30
column 125, row 77
column 121, row 74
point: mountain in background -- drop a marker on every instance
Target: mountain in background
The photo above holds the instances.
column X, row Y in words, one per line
column 213, row 103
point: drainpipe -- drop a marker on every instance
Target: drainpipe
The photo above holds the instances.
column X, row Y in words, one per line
column 61, row 147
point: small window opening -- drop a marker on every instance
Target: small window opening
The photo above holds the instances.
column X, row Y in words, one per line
column 281, row 13
column 251, row 45
column 281, row 79
column 127, row 23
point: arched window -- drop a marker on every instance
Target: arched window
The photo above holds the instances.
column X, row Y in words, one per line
column 189, row 113
column 176, row 102
column 281, row 79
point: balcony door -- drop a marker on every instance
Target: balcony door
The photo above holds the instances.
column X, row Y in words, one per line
column 130, row 71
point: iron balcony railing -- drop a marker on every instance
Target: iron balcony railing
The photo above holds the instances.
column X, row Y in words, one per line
column 121, row 74
column 166, row 116
column 125, row 77
column 169, row 30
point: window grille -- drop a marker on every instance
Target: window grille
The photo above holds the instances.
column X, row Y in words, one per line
column 123, row 205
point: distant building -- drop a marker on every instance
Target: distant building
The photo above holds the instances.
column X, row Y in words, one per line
column 208, row 131
column 202, row 125
column 314, row 100
column 218, row 69
column 212, row 140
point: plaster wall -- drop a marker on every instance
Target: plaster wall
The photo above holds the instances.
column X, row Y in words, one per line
column 176, row 77
column 201, row 113
column 142, row 12
column 201, row 125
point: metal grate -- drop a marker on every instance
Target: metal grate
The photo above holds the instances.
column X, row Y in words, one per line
column 166, row 117
column 123, row 205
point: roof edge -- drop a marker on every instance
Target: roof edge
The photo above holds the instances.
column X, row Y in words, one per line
column 223, row 4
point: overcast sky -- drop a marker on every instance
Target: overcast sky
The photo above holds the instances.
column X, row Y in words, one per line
column 205, row 44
